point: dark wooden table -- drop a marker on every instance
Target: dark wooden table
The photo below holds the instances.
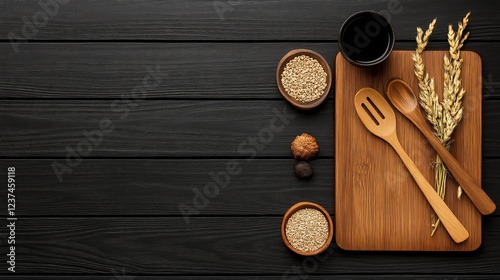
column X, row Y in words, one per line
column 117, row 114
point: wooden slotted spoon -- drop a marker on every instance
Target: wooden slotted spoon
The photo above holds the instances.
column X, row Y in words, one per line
column 379, row 118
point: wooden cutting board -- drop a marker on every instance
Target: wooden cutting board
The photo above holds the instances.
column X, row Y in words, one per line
column 378, row 206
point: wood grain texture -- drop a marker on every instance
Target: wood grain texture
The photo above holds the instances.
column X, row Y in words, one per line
column 232, row 245
column 189, row 70
column 175, row 128
column 161, row 128
column 405, row 100
column 378, row 206
column 109, row 70
column 244, row 20
column 138, row 187
column 491, row 181
column 215, row 71
column 382, row 123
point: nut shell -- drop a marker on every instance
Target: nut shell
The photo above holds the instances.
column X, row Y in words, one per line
column 303, row 169
column 304, row 147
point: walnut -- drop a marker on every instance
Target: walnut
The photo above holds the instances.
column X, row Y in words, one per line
column 304, row 147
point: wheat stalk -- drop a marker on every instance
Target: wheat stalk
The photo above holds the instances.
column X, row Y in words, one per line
column 446, row 115
column 453, row 91
column 428, row 97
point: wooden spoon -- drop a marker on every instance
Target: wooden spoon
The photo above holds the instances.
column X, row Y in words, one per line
column 379, row 118
column 403, row 98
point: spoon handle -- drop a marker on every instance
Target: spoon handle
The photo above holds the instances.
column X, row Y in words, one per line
column 476, row 194
column 456, row 230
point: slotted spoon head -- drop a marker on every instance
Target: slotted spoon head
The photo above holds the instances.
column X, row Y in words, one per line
column 375, row 112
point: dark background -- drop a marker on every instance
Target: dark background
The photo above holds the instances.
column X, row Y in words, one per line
column 116, row 215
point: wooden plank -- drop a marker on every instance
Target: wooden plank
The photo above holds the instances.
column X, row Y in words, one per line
column 490, row 131
column 51, row 128
column 158, row 187
column 490, row 179
column 160, row 128
column 187, row 70
column 137, row 187
column 235, row 20
column 231, row 245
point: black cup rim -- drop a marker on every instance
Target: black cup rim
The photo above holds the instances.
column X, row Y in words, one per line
column 372, row 62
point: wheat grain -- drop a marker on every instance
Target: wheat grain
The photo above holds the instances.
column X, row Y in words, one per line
column 304, row 79
column 307, row 230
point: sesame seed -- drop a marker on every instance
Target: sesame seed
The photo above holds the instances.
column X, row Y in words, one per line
column 304, row 79
column 307, row 230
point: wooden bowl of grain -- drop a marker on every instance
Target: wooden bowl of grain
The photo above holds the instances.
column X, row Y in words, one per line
column 307, row 229
column 304, row 78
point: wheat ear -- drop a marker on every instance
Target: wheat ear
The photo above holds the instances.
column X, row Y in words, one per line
column 428, row 97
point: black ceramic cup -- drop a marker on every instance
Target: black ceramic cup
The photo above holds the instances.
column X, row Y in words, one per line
column 366, row 38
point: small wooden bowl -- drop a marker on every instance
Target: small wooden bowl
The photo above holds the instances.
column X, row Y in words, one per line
column 295, row 208
column 281, row 66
